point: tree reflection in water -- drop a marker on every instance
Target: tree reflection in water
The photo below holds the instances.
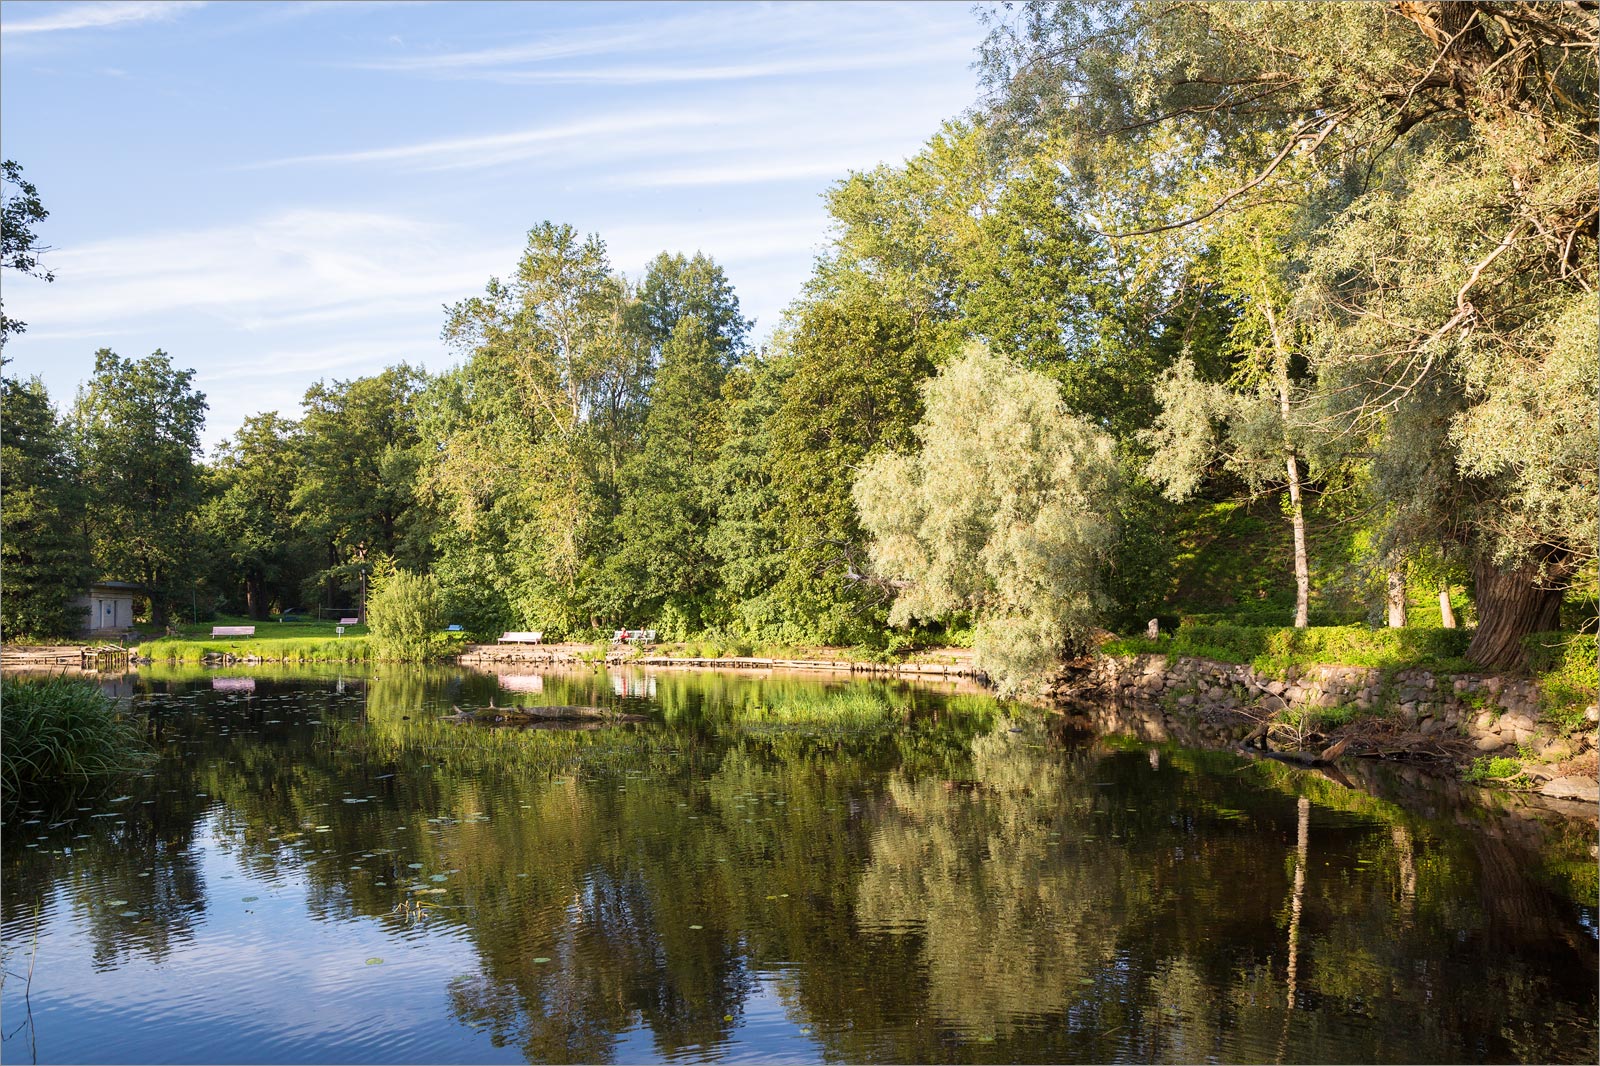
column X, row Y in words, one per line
column 918, row 877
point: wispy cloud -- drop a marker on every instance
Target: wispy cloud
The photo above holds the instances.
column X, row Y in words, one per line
column 455, row 153
column 692, row 46
column 289, row 269
column 99, row 15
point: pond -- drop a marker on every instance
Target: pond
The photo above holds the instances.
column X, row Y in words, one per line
column 766, row 868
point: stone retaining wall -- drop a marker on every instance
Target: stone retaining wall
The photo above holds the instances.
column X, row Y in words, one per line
column 1494, row 714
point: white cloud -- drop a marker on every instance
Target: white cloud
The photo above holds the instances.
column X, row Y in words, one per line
column 455, row 153
column 772, row 41
column 287, row 269
column 97, row 15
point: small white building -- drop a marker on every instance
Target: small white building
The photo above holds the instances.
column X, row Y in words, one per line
column 108, row 607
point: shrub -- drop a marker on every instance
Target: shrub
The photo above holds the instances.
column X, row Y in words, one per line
column 404, row 615
column 1495, row 770
column 63, row 731
column 1564, row 664
column 1277, row 649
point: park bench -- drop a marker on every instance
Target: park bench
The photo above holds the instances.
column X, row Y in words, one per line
column 233, row 631
column 452, row 629
column 536, row 637
column 349, row 621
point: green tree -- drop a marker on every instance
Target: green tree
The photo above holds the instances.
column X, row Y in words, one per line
column 20, row 210
column 1006, row 510
column 250, row 517
column 44, row 551
column 668, row 488
column 357, row 457
column 676, row 287
column 1444, row 155
column 851, row 389
column 137, row 424
column 551, row 409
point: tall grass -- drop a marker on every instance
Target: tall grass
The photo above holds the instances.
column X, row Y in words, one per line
column 854, row 710
column 62, row 731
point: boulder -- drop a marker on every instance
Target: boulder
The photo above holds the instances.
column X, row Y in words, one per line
column 1575, row 788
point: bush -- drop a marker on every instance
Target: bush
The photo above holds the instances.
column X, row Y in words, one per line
column 404, row 616
column 1277, row 649
column 63, row 731
column 1564, row 664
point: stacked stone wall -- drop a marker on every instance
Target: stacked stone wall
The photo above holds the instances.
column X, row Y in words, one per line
column 1496, row 715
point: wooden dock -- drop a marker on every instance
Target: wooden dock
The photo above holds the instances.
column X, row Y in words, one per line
column 63, row 657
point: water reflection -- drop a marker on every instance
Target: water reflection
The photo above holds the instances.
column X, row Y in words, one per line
column 903, row 874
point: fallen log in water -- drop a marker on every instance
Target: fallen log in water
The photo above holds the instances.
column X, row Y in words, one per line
column 586, row 716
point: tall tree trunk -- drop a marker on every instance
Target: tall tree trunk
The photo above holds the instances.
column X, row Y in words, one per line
column 1447, row 617
column 1511, row 605
column 255, row 596
column 1297, row 517
column 1397, row 597
column 1302, row 566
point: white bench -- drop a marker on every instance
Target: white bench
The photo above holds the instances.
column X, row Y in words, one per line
column 349, row 621
column 536, row 637
column 233, row 631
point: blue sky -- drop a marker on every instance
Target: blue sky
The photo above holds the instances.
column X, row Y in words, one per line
column 277, row 193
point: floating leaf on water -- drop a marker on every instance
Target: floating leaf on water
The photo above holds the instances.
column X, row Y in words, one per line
column 128, row 914
column 249, row 899
column 354, row 799
column 697, row 927
column 727, row 1017
column 439, row 877
column 374, row 961
column 414, row 865
column 542, row 959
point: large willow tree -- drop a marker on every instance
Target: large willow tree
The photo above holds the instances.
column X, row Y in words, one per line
column 1004, row 511
column 1444, row 157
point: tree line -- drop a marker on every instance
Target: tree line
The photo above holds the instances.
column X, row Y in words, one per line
column 1341, row 255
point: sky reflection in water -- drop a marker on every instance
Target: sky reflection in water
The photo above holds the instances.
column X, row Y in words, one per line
column 319, row 871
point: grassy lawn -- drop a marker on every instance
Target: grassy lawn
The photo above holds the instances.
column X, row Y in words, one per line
column 312, row 641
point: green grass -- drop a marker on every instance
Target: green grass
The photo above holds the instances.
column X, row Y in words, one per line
column 63, row 732
column 348, row 649
column 1564, row 664
column 851, row 711
column 1234, row 563
column 1276, row 650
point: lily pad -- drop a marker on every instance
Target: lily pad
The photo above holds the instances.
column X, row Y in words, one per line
column 374, row 961
column 116, row 903
column 414, row 865
column 439, row 877
column 249, row 899
column 697, row 927
column 542, row 959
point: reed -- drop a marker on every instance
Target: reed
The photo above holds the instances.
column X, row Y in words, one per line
column 63, row 732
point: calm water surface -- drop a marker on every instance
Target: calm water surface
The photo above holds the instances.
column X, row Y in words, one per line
column 319, row 871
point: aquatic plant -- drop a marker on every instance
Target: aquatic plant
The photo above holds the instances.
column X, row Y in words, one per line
column 63, row 731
